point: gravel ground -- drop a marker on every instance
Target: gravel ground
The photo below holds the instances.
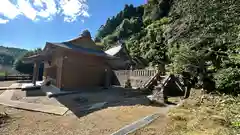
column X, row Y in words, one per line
column 5, row 84
column 157, row 127
column 123, row 108
column 113, row 97
column 1, row 91
column 102, row 122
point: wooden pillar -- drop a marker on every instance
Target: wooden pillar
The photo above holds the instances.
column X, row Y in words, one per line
column 107, row 78
column 59, row 72
column 35, row 73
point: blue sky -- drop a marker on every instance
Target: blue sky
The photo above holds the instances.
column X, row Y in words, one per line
column 31, row 23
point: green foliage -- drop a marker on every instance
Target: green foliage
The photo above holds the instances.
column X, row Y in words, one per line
column 12, row 51
column 110, row 39
column 9, row 54
column 128, row 84
column 182, row 56
column 142, row 30
column 205, row 35
column 149, row 43
column 6, row 59
column 112, row 23
column 123, row 31
column 2, row 73
column 23, row 67
column 228, row 80
column 217, row 114
column 197, row 36
column 156, row 9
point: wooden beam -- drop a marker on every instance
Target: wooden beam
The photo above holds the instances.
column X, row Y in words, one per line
column 137, row 124
column 59, row 72
column 39, row 57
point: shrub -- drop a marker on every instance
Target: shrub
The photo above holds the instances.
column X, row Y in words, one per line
column 228, row 80
column 128, row 84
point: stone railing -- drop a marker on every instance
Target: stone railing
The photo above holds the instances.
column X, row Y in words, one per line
column 137, row 77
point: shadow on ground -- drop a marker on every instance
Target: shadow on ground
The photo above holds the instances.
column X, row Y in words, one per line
column 34, row 93
column 88, row 101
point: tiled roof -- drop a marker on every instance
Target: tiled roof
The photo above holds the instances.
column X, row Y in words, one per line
column 69, row 45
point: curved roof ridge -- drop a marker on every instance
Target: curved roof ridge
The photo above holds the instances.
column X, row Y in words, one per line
column 114, row 50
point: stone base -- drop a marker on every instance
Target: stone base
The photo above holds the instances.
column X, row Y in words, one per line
column 53, row 91
column 30, row 85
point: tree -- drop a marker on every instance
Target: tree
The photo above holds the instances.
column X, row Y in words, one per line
column 6, row 59
column 206, row 35
column 27, row 68
column 114, row 22
column 23, row 67
column 97, row 40
column 197, row 36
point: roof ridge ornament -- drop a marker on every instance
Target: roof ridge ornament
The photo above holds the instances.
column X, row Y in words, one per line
column 86, row 34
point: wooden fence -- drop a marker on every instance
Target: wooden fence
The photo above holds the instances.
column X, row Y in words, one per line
column 15, row 77
column 135, row 72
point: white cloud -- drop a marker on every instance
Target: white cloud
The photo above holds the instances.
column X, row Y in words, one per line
column 38, row 3
column 44, row 9
column 26, row 9
column 8, row 10
column 71, row 9
column 3, row 21
column 50, row 9
column 85, row 14
column 43, row 14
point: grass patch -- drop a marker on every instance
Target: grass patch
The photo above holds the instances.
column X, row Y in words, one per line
column 2, row 73
column 214, row 115
column 175, row 100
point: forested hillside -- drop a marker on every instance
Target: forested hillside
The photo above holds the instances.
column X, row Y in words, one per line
column 198, row 36
column 8, row 55
column 27, row 68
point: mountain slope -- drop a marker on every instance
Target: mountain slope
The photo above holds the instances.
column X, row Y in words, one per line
column 9, row 54
column 197, row 36
column 141, row 28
